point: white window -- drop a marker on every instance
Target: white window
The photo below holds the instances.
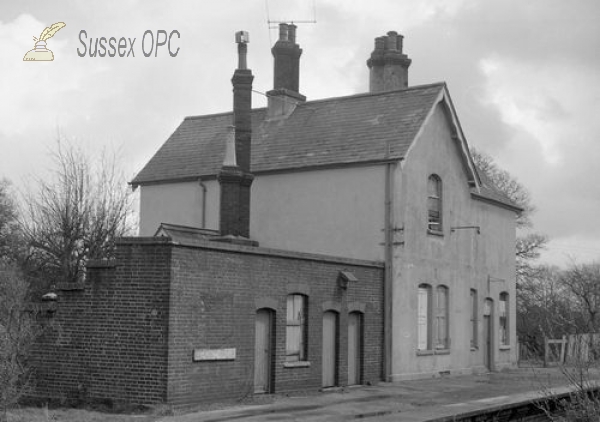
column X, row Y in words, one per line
column 474, row 342
column 434, row 203
column 424, row 317
column 296, row 328
column 441, row 318
column 503, row 313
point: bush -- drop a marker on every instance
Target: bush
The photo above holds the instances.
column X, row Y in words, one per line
column 18, row 331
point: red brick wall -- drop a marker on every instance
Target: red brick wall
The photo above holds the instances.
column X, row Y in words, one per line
column 108, row 338
column 217, row 290
column 131, row 332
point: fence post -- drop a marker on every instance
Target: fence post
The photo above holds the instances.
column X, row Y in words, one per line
column 563, row 346
column 545, row 352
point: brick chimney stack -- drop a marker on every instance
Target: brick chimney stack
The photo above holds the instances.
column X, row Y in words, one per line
column 388, row 65
column 234, row 177
column 284, row 96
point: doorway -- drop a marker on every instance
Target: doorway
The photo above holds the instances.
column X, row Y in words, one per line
column 330, row 348
column 488, row 357
column 263, row 355
column 354, row 348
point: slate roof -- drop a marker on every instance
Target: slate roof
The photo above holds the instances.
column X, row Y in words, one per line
column 360, row 128
column 341, row 130
column 488, row 190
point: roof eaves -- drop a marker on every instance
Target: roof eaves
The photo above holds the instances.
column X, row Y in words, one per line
column 135, row 183
column 502, row 204
column 329, row 166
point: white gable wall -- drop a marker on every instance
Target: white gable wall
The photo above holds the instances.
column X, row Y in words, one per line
column 460, row 260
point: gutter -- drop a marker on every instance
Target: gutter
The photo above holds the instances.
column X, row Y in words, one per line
column 389, row 271
column 496, row 202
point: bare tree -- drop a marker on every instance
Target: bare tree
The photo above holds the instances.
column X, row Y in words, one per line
column 76, row 213
column 507, row 184
column 10, row 232
column 18, row 331
column 583, row 283
column 544, row 308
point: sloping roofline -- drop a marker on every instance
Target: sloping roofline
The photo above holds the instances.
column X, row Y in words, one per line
column 458, row 136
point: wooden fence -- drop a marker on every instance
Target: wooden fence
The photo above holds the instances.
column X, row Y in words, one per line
column 573, row 349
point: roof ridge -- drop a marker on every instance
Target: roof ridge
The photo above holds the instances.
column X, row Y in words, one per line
column 330, row 99
column 375, row 94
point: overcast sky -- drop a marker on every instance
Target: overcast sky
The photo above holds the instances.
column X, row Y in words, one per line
column 524, row 77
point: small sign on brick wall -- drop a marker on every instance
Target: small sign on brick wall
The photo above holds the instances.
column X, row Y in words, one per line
column 213, row 354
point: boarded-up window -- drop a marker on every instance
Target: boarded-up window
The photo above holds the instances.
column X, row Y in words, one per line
column 503, row 323
column 424, row 317
column 474, row 342
column 434, row 203
column 441, row 317
column 296, row 328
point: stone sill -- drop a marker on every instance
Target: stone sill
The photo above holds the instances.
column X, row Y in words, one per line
column 433, row 352
column 438, row 233
column 505, row 347
column 299, row 364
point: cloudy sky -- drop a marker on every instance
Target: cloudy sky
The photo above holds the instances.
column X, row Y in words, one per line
column 523, row 75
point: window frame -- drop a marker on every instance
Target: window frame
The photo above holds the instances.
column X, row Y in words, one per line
column 474, row 319
column 435, row 208
column 424, row 290
column 442, row 317
column 503, row 319
column 299, row 318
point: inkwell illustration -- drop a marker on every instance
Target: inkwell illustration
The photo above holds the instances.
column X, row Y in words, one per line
column 40, row 52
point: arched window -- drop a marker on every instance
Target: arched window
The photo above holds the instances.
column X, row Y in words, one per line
column 474, row 342
column 503, row 312
column 441, row 318
column 295, row 329
column 434, row 203
column 424, row 317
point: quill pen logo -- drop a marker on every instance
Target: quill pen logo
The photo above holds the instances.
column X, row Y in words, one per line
column 40, row 53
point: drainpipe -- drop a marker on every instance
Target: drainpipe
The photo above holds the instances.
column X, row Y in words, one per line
column 203, row 186
column 389, row 270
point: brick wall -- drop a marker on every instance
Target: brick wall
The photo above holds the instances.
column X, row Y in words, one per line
column 108, row 338
column 129, row 333
column 217, row 290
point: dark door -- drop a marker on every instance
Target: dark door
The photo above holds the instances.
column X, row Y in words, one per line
column 354, row 348
column 262, row 351
column 329, row 349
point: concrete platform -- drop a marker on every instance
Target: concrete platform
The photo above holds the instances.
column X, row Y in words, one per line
column 437, row 399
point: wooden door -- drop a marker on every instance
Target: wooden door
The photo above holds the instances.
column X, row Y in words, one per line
column 487, row 334
column 262, row 351
column 354, row 348
column 329, row 349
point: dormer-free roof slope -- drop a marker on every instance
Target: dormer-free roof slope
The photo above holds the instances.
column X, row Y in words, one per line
column 338, row 131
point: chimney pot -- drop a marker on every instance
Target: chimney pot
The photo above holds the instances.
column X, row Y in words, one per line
column 392, row 43
column 388, row 66
column 292, row 33
column 399, row 43
column 283, row 32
